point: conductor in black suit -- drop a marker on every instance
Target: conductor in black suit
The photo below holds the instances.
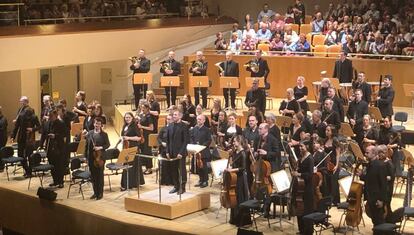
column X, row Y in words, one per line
column 170, row 67
column 261, row 71
column 343, row 69
column 201, row 135
column 177, row 140
column 140, row 65
column 256, row 97
column 229, row 68
column 199, row 68
column 268, row 147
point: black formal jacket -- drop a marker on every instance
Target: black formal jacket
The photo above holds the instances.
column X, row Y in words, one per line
column 162, row 137
column 230, row 68
column 275, row 131
column 343, row 71
column 144, row 66
column 375, row 182
column 100, row 139
column 256, row 98
column 271, row 146
column 58, row 128
column 25, row 120
column 384, row 104
column 365, row 88
column 202, row 71
column 3, row 131
column 177, row 139
column 333, row 119
column 357, row 111
column 202, row 136
column 89, row 124
column 263, row 69
column 251, row 135
column 338, row 106
column 175, row 67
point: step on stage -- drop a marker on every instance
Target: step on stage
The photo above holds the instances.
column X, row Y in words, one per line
column 170, row 206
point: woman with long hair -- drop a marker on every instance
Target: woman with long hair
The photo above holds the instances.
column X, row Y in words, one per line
column 189, row 111
column 332, row 144
column 146, row 124
column 154, row 108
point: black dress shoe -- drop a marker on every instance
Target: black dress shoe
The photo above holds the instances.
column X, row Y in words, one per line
column 204, row 184
column 60, row 186
column 52, row 185
column 198, row 184
column 123, row 189
column 27, row 176
column 99, row 197
column 174, row 190
column 181, row 191
column 93, row 197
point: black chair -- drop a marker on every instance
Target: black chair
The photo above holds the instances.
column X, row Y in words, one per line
column 6, row 156
column 79, row 176
column 342, row 206
column 38, row 169
column 408, row 215
column 281, row 200
column 386, row 229
column 400, row 117
column 257, row 206
column 111, row 154
column 320, row 218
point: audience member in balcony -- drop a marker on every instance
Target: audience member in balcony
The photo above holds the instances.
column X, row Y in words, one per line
column 316, row 9
column 331, row 21
column 234, row 44
column 372, row 13
column 318, row 24
column 266, row 21
column 346, row 31
column 358, row 27
column 299, row 12
column 346, row 21
column 302, row 45
column 361, row 44
column 377, row 47
column 342, row 13
column 220, row 43
column 265, row 12
column 349, row 46
column 249, row 31
column 289, row 32
column 263, row 34
column 248, row 44
column 140, row 11
column 390, row 47
column 248, row 19
column 289, row 45
column 289, row 16
column 278, row 24
column 331, row 12
column 331, row 36
column 65, row 13
column 387, row 25
column 404, row 38
column 276, row 44
column 236, row 30
column 74, row 11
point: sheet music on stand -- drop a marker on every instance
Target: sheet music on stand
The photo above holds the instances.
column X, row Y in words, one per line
column 281, row 181
column 195, row 148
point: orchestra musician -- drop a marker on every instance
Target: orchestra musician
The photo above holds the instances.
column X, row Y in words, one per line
column 238, row 164
column 146, row 125
column 273, row 128
column 300, row 92
column 221, row 129
column 317, row 126
column 201, row 135
column 323, row 92
column 305, row 171
column 99, row 113
column 199, row 111
column 166, row 178
column 332, row 144
column 89, row 122
column 189, row 111
column 170, row 67
column 386, row 97
column 214, row 115
column 47, row 107
column 199, row 68
column 232, row 129
column 3, row 134
column 290, row 105
column 131, row 137
column 154, row 108
column 343, row 69
column 392, row 139
column 27, row 123
column 140, row 64
column 356, row 111
column 96, row 144
column 229, row 68
column 56, row 134
column 389, row 174
column 268, row 147
column 251, row 132
column 297, row 132
column 369, row 134
column 319, row 155
column 257, row 113
column 256, row 97
column 375, row 185
column 338, row 104
column 330, row 116
column 177, row 139
column 80, row 106
column 258, row 67
column 362, row 85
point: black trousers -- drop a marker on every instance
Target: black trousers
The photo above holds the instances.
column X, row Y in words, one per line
column 232, row 97
column 171, row 100
column 333, row 185
column 305, row 226
column 58, row 161
column 176, row 166
column 140, row 92
column 97, row 177
column 376, row 213
column 25, row 150
column 203, row 172
column 203, row 92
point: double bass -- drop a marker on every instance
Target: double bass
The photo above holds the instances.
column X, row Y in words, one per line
column 354, row 211
column 261, row 170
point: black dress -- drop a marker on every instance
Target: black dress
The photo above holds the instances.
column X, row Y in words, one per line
column 165, row 165
column 300, row 93
column 146, row 120
column 333, row 177
column 318, row 156
column 305, row 168
column 290, row 105
column 132, row 130
column 187, row 111
column 240, row 217
column 296, row 137
column 155, row 106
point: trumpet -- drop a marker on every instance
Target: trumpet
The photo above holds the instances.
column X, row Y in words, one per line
column 253, row 65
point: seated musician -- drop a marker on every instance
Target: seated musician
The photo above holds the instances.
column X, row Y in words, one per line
column 199, row 111
column 251, row 132
column 222, row 126
column 325, row 84
column 267, row 146
column 356, row 111
column 189, row 111
column 201, row 135
column 166, row 178
column 290, row 105
column 273, row 128
column 232, row 129
column 318, row 127
column 330, row 116
column 361, row 84
column 256, row 97
column 305, row 172
column 368, row 135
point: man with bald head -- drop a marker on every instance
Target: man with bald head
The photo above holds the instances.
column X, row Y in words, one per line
column 267, row 147
column 201, row 135
column 170, row 67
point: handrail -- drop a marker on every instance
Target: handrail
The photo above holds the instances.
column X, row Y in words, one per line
column 99, row 17
column 293, row 53
column 12, row 4
column 18, row 10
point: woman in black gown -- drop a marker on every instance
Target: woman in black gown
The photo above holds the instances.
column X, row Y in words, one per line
column 189, row 111
column 238, row 164
column 214, row 116
column 318, row 158
column 146, row 124
column 221, row 129
column 232, row 129
column 131, row 137
column 332, row 144
column 297, row 132
column 154, row 109
column 300, row 92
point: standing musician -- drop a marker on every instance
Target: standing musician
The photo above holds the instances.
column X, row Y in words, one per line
column 139, row 64
column 170, row 67
column 166, row 178
column 131, row 137
column 305, row 172
column 296, row 131
column 238, row 164
column 362, row 85
column 375, row 186
column 323, row 92
column 146, row 125
column 55, row 147
column 214, row 114
column 256, row 97
column 300, row 92
column 80, row 106
column 338, row 104
column 232, row 129
column 201, row 135
column 25, row 127
column 390, row 175
column 369, row 134
column 332, row 144
column 154, row 108
column 343, row 69
column 330, row 116
column 199, row 111
column 96, row 144
column 199, row 68
column 189, row 111
column 392, row 139
column 317, row 126
column 273, row 128
column 386, row 97
column 89, row 122
column 47, row 107
column 251, row 132
column 258, row 67
column 319, row 155
column 221, row 129
column 177, row 139
column 268, row 147
column 229, row 68
column 290, row 105
column 356, row 111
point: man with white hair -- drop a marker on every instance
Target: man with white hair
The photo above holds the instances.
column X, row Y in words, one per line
column 170, row 67
column 263, row 34
column 199, row 68
column 229, row 68
column 140, row 65
column 201, row 135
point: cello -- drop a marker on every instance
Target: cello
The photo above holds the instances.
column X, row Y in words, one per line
column 354, row 211
column 297, row 189
column 261, row 170
column 317, row 180
column 228, row 197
